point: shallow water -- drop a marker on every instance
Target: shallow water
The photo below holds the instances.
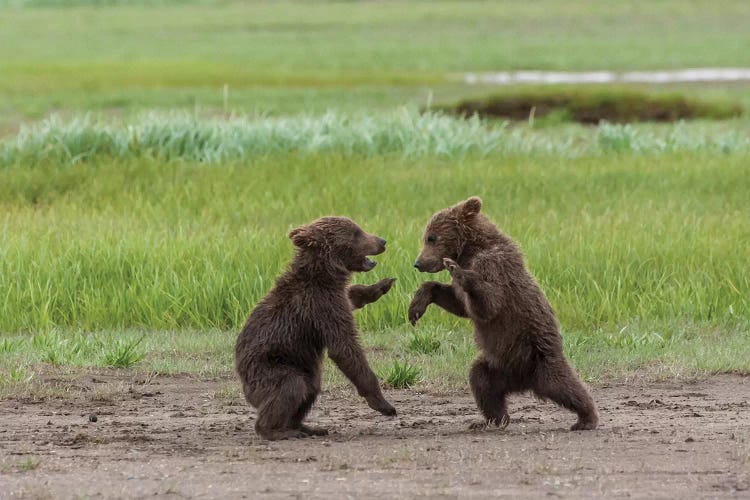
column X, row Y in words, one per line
column 558, row 77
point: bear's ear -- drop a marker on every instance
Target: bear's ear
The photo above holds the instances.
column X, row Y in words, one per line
column 470, row 207
column 302, row 237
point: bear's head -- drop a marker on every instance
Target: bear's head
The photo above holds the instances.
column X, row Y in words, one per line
column 339, row 241
column 447, row 233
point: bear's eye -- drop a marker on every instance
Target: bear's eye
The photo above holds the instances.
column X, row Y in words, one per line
column 357, row 232
column 431, row 239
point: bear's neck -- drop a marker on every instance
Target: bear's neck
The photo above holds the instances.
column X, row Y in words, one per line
column 318, row 272
column 481, row 239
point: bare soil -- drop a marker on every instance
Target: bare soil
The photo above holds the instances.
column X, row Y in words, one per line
column 184, row 437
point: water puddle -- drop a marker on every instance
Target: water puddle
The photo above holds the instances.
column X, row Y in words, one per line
column 561, row 77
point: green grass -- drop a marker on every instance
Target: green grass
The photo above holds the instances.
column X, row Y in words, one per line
column 425, row 343
column 637, row 249
column 145, row 243
column 123, row 353
column 401, row 375
column 143, row 219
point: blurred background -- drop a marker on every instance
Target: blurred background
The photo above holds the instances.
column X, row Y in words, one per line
column 281, row 57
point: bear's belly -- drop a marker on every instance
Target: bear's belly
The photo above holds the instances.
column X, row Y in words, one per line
column 503, row 344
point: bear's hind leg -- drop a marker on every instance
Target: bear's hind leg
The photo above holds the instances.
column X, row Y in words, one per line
column 489, row 391
column 300, row 416
column 313, row 388
column 277, row 413
column 559, row 383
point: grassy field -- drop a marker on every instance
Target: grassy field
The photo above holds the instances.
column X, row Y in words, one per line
column 637, row 251
column 142, row 234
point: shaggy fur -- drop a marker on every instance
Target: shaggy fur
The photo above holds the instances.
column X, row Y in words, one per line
column 514, row 325
column 279, row 352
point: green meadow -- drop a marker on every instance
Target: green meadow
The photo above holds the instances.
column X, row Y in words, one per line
column 154, row 156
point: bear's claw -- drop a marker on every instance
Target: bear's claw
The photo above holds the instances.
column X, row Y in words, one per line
column 450, row 265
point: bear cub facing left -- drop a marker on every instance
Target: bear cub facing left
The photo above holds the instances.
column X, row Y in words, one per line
column 279, row 353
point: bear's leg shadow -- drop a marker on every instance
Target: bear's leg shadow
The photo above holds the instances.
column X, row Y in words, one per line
column 489, row 389
column 558, row 382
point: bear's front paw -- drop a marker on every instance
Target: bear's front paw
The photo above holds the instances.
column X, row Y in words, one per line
column 416, row 311
column 381, row 405
column 419, row 304
column 450, row 265
column 383, row 286
column 388, row 410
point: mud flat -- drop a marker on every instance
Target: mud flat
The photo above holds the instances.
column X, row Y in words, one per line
column 184, row 437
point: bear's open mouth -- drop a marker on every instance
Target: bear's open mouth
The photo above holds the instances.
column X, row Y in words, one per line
column 369, row 263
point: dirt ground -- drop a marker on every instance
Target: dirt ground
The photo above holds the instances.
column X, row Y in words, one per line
column 183, row 437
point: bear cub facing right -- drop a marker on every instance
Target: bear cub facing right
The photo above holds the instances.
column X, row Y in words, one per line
column 279, row 353
column 514, row 325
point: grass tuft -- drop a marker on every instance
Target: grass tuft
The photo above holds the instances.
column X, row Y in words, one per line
column 123, row 353
column 401, row 375
column 423, row 343
column 29, row 464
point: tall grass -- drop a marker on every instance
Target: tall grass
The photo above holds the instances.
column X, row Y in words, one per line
column 403, row 133
column 188, row 137
column 145, row 243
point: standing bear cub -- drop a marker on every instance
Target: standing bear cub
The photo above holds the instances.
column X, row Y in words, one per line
column 279, row 352
column 514, row 325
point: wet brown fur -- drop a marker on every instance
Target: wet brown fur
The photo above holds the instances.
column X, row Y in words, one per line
column 514, row 325
column 279, row 352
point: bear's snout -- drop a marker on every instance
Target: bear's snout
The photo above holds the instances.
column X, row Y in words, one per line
column 428, row 265
column 379, row 246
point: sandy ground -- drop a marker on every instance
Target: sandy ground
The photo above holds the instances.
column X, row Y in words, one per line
column 179, row 437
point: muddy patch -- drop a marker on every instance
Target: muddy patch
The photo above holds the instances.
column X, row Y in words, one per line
column 594, row 106
column 183, row 437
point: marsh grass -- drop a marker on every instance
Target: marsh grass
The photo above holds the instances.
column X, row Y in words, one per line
column 401, row 133
column 182, row 136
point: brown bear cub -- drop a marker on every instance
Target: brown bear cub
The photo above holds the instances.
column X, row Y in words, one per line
column 279, row 352
column 514, row 325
